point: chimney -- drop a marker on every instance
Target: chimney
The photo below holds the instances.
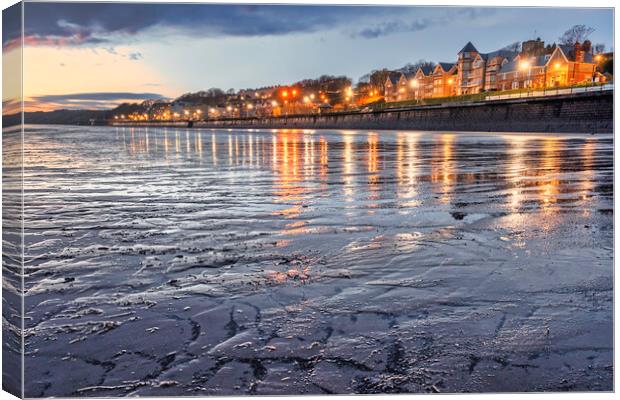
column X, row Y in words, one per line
column 579, row 52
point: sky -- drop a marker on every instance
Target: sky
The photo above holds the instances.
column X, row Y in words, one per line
column 95, row 55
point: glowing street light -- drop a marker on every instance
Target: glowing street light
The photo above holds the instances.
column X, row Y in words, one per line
column 414, row 83
column 524, row 65
column 557, row 65
column 274, row 103
column 306, row 99
column 312, row 96
column 250, row 106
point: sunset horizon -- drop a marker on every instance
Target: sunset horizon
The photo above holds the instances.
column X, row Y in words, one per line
column 105, row 54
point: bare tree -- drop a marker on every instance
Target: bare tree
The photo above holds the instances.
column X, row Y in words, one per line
column 516, row 47
column 599, row 48
column 577, row 33
column 413, row 68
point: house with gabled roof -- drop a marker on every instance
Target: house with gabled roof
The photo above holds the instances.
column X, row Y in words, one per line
column 422, row 83
column 558, row 65
column 392, row 86
column 477, row 71
column 397, row 86
column 444, row 79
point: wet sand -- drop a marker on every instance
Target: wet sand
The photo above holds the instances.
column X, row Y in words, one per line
column 203, row 262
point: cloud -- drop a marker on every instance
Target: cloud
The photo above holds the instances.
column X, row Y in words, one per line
column 406, row 26
column 92, row 101
column 387, row 28
column 135, row 56
column 79, row 24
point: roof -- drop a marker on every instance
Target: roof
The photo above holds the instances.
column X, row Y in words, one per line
column 427, row 69
column 509, row 54
column 409, row 74
column 469, row 47
column 394, row 77
column 538, row 61
column 509, row 67
column 446, row 66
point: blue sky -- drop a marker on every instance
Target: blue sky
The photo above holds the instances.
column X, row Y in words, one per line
column 149, row 50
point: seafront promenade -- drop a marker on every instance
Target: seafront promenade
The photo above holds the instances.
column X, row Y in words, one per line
column 572, row 112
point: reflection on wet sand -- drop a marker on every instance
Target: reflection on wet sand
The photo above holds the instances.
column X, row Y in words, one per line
column 533, row 171
column 321, row 259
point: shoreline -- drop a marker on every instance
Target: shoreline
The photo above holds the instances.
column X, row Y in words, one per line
column 586, row 113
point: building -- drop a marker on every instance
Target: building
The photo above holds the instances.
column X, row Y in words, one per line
column 396, row 87
column 422, row 83
column 444, row 78
column 554, row 66
column 477, row 72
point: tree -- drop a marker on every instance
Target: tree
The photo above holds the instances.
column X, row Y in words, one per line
column 608, row 66
column 378, row 78
column 577, row 33
column 413, row 68
column 514, row 47
column 599, row 48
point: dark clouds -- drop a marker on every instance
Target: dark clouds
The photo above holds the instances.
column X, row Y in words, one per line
column 76, row 24
column 405, row 25
column 71, row 24
column 387, row 28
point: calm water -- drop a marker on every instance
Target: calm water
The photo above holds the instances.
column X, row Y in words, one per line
column 274, row 262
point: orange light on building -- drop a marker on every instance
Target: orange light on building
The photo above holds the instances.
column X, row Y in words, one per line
column 274, row 103
column 598, row 58
column 557, row 65
column 524, row 65
column 294, row 92
column 450, row 81
column 284, row 93
column 414, row 83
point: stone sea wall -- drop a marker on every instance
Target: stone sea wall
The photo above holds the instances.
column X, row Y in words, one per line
column 576, row 113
